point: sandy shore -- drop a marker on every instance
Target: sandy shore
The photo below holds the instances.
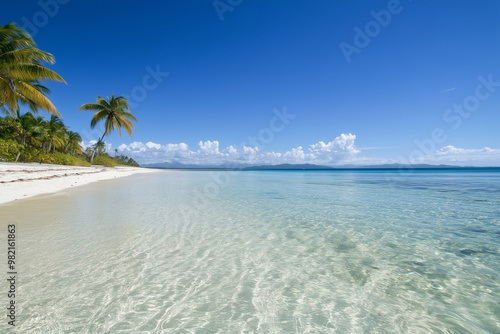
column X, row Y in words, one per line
column 23, row 180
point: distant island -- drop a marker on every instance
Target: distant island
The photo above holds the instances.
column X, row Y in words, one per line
column 178, row 165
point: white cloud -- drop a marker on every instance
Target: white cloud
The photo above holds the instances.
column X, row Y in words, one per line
column 152, row 145
column 339, row 150
column 448, row 90
column 451, row 155
column 209, row 147
column 459, row 156
column 452, row 150
column 91, row 143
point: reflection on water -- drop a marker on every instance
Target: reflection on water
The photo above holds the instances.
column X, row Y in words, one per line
column 268, row 251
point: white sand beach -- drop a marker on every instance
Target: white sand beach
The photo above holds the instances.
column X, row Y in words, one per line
column 23, row 180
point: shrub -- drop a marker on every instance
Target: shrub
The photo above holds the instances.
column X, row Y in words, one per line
column 33, row 154
column 125, row 161
column 105, row 161
column 9, row 149
column 66, row 159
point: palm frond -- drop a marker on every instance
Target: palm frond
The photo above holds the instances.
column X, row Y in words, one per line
column 32, row 72
column 115, row 112
column 21, row 71
column 90, row 106
column 29, row 93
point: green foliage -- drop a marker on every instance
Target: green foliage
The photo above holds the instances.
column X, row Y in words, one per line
column 114, row 111
column 33, row 154
column 100, row 148
column 105, row 161
column 9, row 149
column 126, row 161
column 31, row 138
column 72, row 142
column 40, row 140
column 66, row 159
column 9, row 130
column 22, row 71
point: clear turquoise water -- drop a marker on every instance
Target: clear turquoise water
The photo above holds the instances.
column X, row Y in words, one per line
column 262, row 252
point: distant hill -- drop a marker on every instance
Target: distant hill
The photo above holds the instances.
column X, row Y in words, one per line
column 289, row 166
column 169, row 165
column 385, row 166
column 178, row 165
column 398, row 166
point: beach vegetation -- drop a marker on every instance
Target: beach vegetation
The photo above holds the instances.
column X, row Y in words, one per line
column 33, row 154
column 30, row 137
column 101, row 156
column 27, row 138
column 21, row 72
column 114, row 112
column 126, row 161
column 104, row 161
column 8, row 149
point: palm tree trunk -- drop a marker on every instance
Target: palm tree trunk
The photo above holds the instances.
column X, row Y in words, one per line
column 95, row 149
column 23, row 133
column 23, row 142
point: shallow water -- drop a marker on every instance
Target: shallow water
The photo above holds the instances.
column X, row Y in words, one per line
column 261, row 252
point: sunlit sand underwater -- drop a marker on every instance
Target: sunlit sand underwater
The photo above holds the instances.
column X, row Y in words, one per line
column 262, row 252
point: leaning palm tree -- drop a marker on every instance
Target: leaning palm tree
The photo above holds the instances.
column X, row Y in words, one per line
column 21, row 72
column 115, row 113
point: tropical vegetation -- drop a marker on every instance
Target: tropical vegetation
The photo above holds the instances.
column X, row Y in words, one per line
column 21, row 72
column 115, row 112
column 29, row 137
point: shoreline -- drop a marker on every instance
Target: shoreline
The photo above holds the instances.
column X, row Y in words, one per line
column 25, row 180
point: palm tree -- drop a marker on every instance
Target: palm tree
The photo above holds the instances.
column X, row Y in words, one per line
column 100, row 148
column 39, row 132
column 55, row 133
column 72, row 143
column 25, row 123
column 20, row 127
column 21, row 71
column 115, row 113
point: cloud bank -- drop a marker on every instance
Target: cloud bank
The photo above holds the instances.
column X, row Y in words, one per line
column 464, row 157
column 338, row 151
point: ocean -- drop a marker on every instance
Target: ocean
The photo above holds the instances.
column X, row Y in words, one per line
column 261, row 252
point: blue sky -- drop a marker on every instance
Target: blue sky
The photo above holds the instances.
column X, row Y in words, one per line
column 234, row 65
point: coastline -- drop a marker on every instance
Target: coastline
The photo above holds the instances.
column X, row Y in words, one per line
column 24, row 180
